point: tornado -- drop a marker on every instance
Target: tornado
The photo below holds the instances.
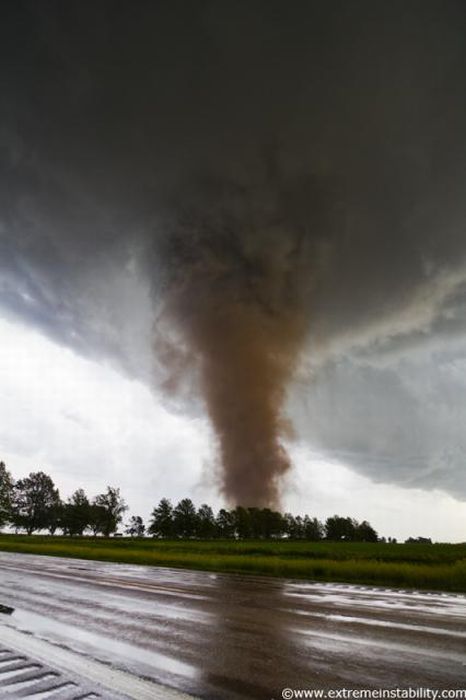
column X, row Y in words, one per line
column 259, row 209
column 237, row 262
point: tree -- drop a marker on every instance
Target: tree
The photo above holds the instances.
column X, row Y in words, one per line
column 225, row 523
column 98, row 518
column 161, row 523
column 256, row 523
column 272, row 523
column 242, row 522
column 313, row 529
column 34, row 502
column 292, row 527
column 114, row 507
column 205, row 522
column 55, row 517
column 366, row 533
column 6, row 492
column 135, row 527
column 184, row 519
column 76, row 514
column 263, row 523
column 338, row 528
column 299, row 527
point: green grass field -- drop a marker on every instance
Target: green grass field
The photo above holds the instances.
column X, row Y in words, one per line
column 435, row 567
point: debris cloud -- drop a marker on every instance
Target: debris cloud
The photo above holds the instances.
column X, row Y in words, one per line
column 238, row 264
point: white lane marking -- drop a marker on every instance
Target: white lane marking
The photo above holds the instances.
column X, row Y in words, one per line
column 28, row 683
column 425, row 629
column 5, row 675
column 11, row 660
column 389, row 624
column 53, row 692
column 375, row 644
column 94, row 671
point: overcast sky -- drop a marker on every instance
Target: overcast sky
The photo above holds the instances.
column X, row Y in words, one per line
column 262, row 205
column 89, row 425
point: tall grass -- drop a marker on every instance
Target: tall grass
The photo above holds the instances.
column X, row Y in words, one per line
column 436, row 567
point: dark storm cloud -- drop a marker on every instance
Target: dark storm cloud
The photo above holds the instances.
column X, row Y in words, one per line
column 346, row 118
column 402, row 422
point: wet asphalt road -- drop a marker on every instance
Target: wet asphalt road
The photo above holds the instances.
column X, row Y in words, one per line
column 222, row 636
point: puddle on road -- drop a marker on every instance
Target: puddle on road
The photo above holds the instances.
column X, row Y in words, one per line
column 134, row 659
column 431, row 603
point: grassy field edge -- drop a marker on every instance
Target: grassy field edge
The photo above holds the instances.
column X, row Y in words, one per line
column 432, row 567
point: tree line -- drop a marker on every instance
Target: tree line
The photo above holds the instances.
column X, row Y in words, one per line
column 33, row 504
column 185, row 521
